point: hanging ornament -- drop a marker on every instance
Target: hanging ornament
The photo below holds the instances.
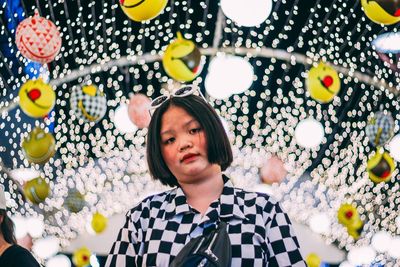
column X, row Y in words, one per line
column 323, row 83
column 382, row 11
column 74, row 201
column 88, row 103
column 39, row 146
column 138, row 110
column 99, row 222
column 182, row 59
column 141, row 10
column 273, row 170
column 380, row 129
column 36, row 98
column 81, row 257
column 36, row 190
column 380, row 166
column 38, row 39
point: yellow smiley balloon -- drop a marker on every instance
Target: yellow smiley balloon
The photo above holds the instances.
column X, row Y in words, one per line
column 380, row 167
column 140, row 10
column 36, row 98
column 182, row 60
column 382, row 11
column 39, row 146
column 323, row 83
column 81, row 257
column 37, row 190
column 347, row 214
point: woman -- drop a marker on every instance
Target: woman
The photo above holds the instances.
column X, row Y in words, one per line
column 11, row 255
column 189, row 149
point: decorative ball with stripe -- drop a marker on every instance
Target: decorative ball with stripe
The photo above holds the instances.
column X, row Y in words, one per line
column 38, row 39
column 37, row 190
column 39, row 146
column 380, row 128
column 88, row 103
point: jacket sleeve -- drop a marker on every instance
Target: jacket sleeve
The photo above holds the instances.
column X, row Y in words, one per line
column 282, row 244
column 125, row 249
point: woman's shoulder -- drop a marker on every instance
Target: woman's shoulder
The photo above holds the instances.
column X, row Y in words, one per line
column 21, row 256
column 259, row 200
column 154, row 201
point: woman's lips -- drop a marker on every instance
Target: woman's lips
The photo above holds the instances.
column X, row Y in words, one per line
column 189, row 158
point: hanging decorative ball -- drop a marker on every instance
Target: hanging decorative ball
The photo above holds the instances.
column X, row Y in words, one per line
column 313, row 260
column 138, row 110
column 348, row 214
column 380, row 166
column 88, row 103
column 81, row 257
column 36, row 98
column 355, row 229
column 380, row 128
column 74, row 201
column 99, row 222
column 182, row 59
column 141, row 10
column 38, row 39
column 36, row 190
column 382, row 11
column 323, row 83
column 273, row 171
column 39, row 146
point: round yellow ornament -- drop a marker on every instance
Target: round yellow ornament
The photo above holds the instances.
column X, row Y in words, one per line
column 81, row 257
column 36, row 98
column 382, row 11
column 99, row 222
column 36, row 190
column 182, row 59
column 39, row 146
column 347, row 215
column 140, row 10
column 313, row 260
column 323, row 83
column 380, row 167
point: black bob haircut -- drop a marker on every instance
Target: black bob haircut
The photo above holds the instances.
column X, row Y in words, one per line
column 218, row 147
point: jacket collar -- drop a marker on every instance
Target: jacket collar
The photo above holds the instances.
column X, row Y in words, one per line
column 229, row 204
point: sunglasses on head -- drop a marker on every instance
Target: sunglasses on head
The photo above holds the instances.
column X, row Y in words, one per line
column 181, row 92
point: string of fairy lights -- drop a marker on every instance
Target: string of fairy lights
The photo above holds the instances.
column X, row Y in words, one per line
column 109, row 167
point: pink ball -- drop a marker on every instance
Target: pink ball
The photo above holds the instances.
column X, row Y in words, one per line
column 273, row 171
column 38, row 39
column 138, row 110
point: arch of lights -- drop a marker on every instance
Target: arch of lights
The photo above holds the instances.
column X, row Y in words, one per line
column 114, row 175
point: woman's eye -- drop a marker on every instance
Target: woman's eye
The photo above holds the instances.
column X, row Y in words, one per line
column 195, row 130
column 169, row 141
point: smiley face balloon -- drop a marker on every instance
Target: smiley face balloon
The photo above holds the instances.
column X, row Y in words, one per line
column 39, row 146
column 382, row 11
column 36, row 98
column 182, row 60
column 140, row 10
column 380, row 167
column 88, row 103
column 323, row 83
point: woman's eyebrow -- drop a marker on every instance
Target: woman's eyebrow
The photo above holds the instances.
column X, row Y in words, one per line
column 185, row 125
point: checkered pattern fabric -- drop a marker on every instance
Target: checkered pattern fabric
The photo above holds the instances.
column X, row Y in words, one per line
column 156, row 230
column 94, row 106
column 380, row 129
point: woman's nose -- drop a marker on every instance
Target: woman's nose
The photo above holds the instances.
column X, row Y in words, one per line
column 185, row 144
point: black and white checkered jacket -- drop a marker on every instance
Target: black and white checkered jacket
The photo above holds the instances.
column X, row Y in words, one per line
column 156, row 230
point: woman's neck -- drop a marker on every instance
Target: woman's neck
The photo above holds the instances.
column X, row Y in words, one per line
column 201, row 194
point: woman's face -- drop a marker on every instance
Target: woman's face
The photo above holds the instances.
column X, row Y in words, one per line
column 184, row 146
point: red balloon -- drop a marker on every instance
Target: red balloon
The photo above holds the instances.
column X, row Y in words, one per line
column 38, row 39
column 138, row 110
column 273, row 171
